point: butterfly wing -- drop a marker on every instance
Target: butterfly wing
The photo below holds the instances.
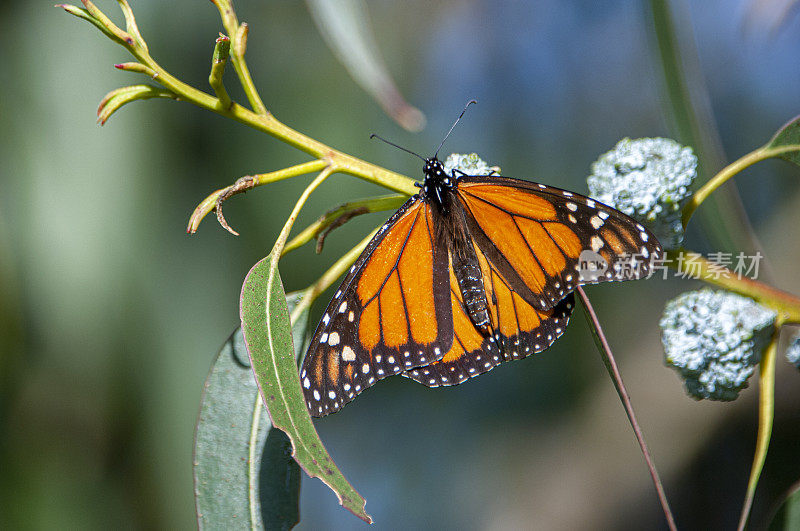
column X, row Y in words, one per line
column 391, row 313
column 517, row 330
column 541, row 239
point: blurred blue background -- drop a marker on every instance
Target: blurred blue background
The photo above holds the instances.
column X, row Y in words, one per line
column 110, row 314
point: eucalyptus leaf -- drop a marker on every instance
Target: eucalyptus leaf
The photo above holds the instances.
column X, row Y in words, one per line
column 222, row 441
column 223, row 478
column 346, row 29
column 786, row 141
column 268, row 336
column 788, row 514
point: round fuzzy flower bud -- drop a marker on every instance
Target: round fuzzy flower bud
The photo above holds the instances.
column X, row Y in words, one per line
column 714, row 339
column 470, row 164
column 793, row 352
column 649, row 180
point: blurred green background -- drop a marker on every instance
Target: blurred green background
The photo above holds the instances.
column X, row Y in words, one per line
column 110, row 314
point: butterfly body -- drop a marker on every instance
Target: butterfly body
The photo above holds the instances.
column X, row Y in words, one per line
column 470, row 272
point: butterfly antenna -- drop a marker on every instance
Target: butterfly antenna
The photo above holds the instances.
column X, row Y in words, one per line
column 470, row 102
column 395, row 145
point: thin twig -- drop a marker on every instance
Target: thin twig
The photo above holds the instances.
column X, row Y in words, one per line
column 239, row 187
column 616, row 377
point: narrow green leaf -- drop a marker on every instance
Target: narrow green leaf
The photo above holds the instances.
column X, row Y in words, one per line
column 268, row 336
column 786, row 142
column 787, row 516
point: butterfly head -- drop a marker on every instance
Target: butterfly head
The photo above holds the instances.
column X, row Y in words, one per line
column 437, row 183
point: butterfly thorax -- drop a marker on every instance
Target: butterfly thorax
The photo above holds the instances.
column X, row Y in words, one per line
column 438, row 191
column 437, row 184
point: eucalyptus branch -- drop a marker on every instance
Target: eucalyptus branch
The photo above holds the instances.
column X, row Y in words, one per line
column 695, row 265
column 259, row 120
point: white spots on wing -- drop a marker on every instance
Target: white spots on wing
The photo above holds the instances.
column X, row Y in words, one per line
column 316, row 395
column 572, row 219
column 326, row 319
column 542, row 186
column 351, row 316
column 643, row 236
column 572, row 206
column 343, row 307
column 603, row 214
column 332, row 394
column 346, row 387
column 390, row 359
column 437, row 351
column 348, row 354
column 568, row 278
column 333, row 339
column 306, row 383
column 323, row 338
column 597, row 243
column 378, row 358
column 567, row 194
column 590, row 203
column 645, row 253
column 596, row 222
column 365, row 368
column 338, row 293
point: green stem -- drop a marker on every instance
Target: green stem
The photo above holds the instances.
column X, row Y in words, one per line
column 218, row 62
column 766, row 415
column 691, row 263
column 727, row 172
column 243, row 71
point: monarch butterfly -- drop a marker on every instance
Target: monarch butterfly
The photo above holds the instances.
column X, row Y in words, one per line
column 472, row 271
